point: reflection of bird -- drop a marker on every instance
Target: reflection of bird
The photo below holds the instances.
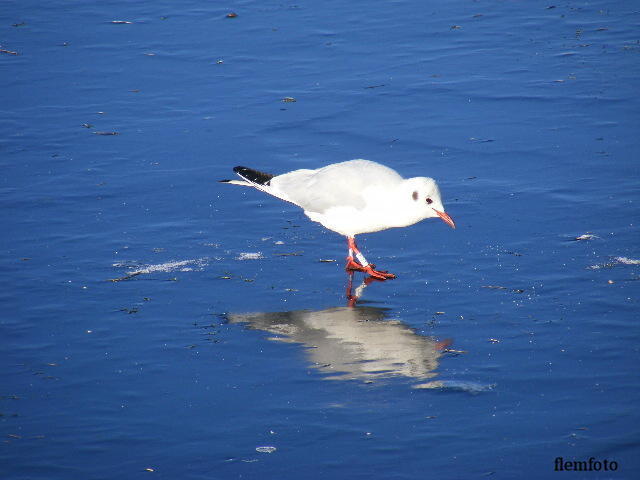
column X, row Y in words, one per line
column 352, row 343
column 358, row 196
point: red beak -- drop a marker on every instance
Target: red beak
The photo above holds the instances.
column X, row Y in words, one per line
column 446, row 218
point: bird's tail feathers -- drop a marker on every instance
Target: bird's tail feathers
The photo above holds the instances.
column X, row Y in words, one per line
column 258, row 180
column 237, row 182
column 254, row 176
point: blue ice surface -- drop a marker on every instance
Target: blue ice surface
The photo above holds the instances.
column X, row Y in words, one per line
column 502, row 345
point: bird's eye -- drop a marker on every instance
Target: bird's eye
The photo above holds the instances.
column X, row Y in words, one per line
column 429, row 201
column 415, row 195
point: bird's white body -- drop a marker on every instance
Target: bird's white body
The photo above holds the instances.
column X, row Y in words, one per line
column 353, row 197
column 357, row 196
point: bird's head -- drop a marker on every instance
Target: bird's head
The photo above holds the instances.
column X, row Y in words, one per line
column 424, row 196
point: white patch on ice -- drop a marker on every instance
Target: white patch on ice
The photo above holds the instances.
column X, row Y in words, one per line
column 627, row 261
column 615, row 261
column 587, row 236
column 266, row 449
column 180, row 265
column 249, row 256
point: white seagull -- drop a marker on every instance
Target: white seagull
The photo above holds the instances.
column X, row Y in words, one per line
column 358, row 196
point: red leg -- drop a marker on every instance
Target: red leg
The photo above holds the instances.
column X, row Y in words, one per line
column 363, row 266
column 351, row 299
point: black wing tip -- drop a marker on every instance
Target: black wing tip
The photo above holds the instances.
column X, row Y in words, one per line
column 253, row 176
column 224, row 181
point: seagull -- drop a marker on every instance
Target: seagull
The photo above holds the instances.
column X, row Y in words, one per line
column 353, row 197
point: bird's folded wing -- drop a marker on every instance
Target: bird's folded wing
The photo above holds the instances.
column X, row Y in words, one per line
column 318, row 193
column 338, row 185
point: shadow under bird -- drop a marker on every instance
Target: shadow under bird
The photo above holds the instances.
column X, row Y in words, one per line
column 353, row 197
column 353, row 343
